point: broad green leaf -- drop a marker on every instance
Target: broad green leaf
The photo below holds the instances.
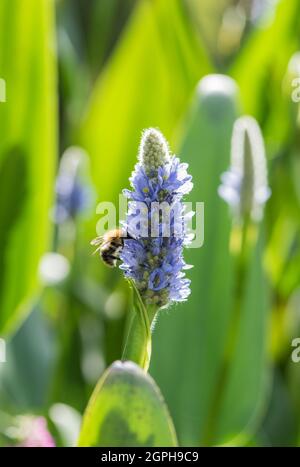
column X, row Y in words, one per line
column 191, row 339
column 126, row 409
column 280, row 425
column 25, row 377
column 147, row 82
column 27, row 150
column 283, row 213
column 244, row 397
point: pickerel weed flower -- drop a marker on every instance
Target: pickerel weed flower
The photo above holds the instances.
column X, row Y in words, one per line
column 156, row 223
column 245, row 186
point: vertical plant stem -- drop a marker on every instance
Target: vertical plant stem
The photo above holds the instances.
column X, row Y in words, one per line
column 138, row 342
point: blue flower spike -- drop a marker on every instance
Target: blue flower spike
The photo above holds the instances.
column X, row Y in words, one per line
column 156, row 221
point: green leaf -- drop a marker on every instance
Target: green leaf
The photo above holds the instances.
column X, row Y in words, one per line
column 27, row 150
column 126, row 409
column 244, row 396
column 190, row 341
column 137, row 90
column 281, row 422
column 26, row 376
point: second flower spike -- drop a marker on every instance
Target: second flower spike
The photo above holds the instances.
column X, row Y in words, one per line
column 245, row 186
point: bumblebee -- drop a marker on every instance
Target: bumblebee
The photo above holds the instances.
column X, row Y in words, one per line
column 110, row 246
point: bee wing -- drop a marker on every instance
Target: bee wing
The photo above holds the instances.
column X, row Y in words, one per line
column 97, row 242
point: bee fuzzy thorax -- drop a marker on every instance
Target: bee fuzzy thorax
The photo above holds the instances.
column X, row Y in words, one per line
column 114, row 233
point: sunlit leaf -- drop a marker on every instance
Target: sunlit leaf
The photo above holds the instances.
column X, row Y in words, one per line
column 27, row 149
column 191, row 340
column 126, row 409
column 147, row 82
column 244, row 397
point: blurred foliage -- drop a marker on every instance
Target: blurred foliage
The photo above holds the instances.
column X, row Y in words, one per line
column 27, row 151
column 198, row 333
column 105, row 71
column 161, row 56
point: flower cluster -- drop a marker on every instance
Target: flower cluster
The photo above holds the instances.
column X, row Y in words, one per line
column 156, row 223
column 244, row 186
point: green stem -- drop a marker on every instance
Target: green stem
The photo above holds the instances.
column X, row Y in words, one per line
column 138, row 342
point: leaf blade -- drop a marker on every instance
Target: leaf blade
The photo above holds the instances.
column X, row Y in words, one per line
column 27, row 119
column 126, row 409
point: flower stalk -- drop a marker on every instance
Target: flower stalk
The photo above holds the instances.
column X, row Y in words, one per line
column 137, row 346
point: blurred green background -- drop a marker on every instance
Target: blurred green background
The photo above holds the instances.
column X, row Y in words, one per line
column 83, row 79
